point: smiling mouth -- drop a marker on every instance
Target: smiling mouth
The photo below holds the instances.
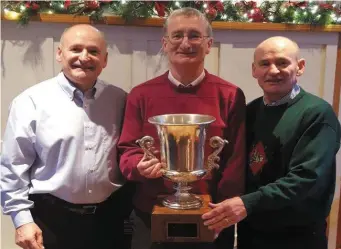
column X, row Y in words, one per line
column 85, row 68
column 188, row 54
column 275, row 81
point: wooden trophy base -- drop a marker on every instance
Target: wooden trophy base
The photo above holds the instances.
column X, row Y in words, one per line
column 174, row 225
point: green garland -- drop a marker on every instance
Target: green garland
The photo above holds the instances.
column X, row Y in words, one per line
column 298, row 12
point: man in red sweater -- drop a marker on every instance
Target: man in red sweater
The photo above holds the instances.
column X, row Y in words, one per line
column 186, row 88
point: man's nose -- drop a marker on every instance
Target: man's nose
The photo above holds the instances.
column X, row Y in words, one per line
column 273, row 69
column 84, row 55
column 185, row 42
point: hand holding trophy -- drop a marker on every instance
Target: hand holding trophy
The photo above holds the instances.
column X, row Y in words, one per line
column 182, row 154
column 150, row 167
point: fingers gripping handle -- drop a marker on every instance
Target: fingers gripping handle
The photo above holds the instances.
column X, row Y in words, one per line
column 146, row 143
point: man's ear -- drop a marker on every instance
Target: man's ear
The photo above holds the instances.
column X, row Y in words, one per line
column 59, row 54
column 209, row 45
column 105, row 60
column 253, row 70
column 164, row 44
column 300, row 67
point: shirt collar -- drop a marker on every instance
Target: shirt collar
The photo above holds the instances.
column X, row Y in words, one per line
column 193, row 83
column 72, row 91
column 287, row 98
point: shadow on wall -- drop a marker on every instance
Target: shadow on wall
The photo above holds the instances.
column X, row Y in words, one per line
column 157, row 58
column 32, row 56
column 147, row 52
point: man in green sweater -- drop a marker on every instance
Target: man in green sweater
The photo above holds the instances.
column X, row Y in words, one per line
column 292, row 140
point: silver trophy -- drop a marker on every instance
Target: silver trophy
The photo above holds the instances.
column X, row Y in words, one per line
column 182, row 145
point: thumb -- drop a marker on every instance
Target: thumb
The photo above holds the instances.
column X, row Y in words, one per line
column 35, row 245
column 217, row 232
column 213, row 205
column 40, row 240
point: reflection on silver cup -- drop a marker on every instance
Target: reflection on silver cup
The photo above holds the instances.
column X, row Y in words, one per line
column 182, row 145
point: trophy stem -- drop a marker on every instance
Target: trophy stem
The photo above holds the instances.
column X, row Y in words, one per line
column 182, row 199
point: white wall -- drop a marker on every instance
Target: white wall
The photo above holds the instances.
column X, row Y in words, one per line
column 28, row 57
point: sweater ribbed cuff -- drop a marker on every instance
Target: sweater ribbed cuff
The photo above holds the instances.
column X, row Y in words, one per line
column 136, row 174
column 251, row 201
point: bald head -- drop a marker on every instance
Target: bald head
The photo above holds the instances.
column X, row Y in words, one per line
column 276, row 67
column 277, row 44
column 80, row 30
column 82, row 53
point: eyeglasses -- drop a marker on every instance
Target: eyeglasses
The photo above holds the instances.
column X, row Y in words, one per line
column 194, row 39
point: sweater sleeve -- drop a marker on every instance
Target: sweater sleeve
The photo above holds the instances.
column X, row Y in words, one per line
column 130, row 152
column 233, row 175
column 310, row 169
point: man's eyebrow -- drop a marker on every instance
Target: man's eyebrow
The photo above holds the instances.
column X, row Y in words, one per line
column 82, row 45
column 282, row 58
column 189, row 30
column 263, row 60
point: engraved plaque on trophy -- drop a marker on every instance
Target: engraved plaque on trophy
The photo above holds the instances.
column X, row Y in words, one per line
column 177, row 217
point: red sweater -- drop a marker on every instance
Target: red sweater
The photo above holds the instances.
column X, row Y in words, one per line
column 213, row 96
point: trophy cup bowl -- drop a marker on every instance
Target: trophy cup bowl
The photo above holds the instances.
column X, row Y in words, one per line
column 182, row 153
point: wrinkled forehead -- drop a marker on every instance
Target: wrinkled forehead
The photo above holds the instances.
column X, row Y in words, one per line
column 83, row 37
column 82, row 34
column 275, row 52
column 186, row 24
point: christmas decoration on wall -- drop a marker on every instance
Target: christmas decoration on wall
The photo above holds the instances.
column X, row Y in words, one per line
column 294, row 12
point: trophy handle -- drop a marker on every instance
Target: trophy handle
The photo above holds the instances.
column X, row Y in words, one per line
column 218, row 144
column 146, row 143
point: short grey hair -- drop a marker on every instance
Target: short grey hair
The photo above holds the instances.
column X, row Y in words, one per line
column 189, row 12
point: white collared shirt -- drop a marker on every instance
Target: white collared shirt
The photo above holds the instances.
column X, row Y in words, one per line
column 62, row 142
column 193, row 83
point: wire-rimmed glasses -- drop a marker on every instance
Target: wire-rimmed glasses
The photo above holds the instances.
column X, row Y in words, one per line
column 194, row 39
